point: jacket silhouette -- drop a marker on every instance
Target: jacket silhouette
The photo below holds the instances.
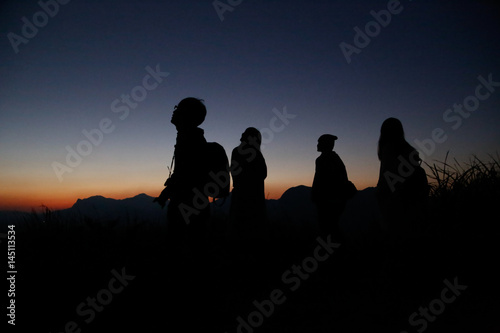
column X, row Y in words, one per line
column 188, row 208
column 329, row 186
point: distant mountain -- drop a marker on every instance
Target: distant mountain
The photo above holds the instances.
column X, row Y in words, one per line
column 296, row 210
column 293, row 211
column 98, row 208
column 361, row 216
column 140, row 208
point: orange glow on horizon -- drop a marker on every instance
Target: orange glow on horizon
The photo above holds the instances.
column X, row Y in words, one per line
column 20, row 200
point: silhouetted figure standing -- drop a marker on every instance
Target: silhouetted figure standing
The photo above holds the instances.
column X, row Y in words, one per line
column 249, row 170
column 187, row 217
column 402, row 186
column 187, row 214
column 328, row 187
column 402, row 190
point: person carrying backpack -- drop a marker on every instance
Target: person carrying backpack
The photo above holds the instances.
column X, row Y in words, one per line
column 185, row 187
column 201, row 171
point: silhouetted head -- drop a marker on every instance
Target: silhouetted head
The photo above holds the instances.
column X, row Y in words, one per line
column 326, row 142
column 252, row 136
column 392, row 130
column 391, row 133
column 190, row 112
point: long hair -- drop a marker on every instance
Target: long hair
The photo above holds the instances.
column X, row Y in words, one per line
column 253, row 137
column 392, row 135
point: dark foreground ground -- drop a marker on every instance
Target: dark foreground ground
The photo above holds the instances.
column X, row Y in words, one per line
column 98, row 279
column 93, row 277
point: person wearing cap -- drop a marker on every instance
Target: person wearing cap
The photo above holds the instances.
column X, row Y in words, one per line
column 189, row 174
column 328, row 186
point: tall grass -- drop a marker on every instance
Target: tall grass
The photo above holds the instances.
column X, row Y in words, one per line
column 465, row 195
column 472, row 177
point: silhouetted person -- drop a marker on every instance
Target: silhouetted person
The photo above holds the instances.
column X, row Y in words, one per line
column 187, row 214
column 328, row 187
column 249, row 170
column 402, row 185
column 401, row 194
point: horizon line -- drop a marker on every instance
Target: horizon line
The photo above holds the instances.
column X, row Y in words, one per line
column 29, row 209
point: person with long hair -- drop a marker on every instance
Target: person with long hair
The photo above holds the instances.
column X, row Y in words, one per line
column 402, row 190
column 402, row 183
column 249, row 170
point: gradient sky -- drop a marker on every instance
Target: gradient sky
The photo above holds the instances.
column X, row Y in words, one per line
column 263, row 56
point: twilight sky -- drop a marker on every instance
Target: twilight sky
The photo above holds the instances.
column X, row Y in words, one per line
column 100, row 79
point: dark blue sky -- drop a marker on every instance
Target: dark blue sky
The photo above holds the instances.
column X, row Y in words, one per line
column 264, row 58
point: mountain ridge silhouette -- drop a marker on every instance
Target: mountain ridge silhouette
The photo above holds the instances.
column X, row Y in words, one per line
column 293, row 211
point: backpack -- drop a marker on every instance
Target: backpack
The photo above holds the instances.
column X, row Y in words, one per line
column 218, row 181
